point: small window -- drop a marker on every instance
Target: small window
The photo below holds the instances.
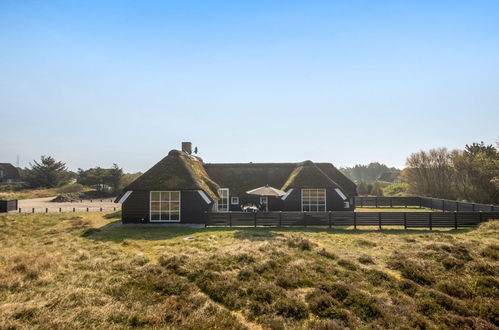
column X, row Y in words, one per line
column 263, row 200
column 223, row 202
column 234, row 200
column 341, row 194
column 347, row 205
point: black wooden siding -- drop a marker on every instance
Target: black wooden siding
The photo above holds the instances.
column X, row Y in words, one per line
column 135, row 209
column 333, row 201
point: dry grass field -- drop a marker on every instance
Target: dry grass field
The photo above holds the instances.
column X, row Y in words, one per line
column 75, row 271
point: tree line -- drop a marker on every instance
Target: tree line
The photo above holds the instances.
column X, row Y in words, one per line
column 50, row 173
column 471, row 174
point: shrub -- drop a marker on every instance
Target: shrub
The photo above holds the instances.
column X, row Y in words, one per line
column 301, row 243
column 487, row 286
column 347, row 264
column 395, row 189
column 491, row 252
column 408, row 287
column 325, row 253
column 365, row 243
column 411, row 269
column 70, row 188
column 292, row 308
column 456, row 288
column 366, row 260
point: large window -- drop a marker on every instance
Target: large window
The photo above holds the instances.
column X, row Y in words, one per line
column 223, row 202
column 313, row 200
column 165, row 206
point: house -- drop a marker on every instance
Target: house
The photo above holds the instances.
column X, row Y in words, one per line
column 181, row 188
column 9, row 173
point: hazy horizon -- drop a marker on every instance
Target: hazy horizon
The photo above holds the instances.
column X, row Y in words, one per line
column 94, row 83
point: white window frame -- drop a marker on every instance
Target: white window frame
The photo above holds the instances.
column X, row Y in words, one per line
column 160, row 200
column 316, row 203
column 287, row 194
column 234, row 200
column 341, row 194
column 228, row 200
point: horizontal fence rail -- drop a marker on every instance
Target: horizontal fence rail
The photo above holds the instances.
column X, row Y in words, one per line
column 350, row 218
column 66, row 209
column 431, row 203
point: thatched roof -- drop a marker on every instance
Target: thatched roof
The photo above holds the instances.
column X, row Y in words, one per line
column 241, row 177
column 347, row 185
column 177, row 171
column 181, row 171
column 308, row 175
column 10, row 171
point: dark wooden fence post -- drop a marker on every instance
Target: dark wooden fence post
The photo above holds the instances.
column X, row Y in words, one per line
column 455, row 220
column 431, row 221
column 87, row 209
column 33, row 210
column 230, row 219
column 114, row 208
column 60, row 209
column 405, row 220
column 431, row 203
column 379, row 220
column 443, row 205
column 101, row 209
column 354, row 220
column 19, row 210
column 280, row 218
column 74, row 210
column 330, row 218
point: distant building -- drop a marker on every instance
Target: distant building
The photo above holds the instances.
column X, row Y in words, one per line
column 9, row 173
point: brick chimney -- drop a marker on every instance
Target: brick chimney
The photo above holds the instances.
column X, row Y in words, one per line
column 187, row 147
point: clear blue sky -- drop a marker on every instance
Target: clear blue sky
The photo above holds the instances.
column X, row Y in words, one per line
column 97, row 82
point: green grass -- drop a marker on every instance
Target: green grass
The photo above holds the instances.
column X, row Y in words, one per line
column 27, row 193
column 77, row 271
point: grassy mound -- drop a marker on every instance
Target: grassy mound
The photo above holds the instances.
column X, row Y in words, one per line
column 77, row 271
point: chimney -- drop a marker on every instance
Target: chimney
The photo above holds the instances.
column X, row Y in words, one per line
column 187, row 147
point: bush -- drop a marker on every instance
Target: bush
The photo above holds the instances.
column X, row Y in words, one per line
column 491, row 252
column 411, row 269
column 395, row 189
column 292, row 308
column 70, row 188
column 366, row 260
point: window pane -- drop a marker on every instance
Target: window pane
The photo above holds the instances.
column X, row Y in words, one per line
column 154, row 195
column 165, row 195
column 155, row 206
column 165, row 206
column 174, row 216
column 155, row 216
column 165, row 215
column 175, row 196
column 175, row 206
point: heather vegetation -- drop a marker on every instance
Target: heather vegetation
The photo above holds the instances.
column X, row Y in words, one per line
column 80, row 271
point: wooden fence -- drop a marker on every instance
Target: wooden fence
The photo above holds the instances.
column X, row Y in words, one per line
column 349, row 218
column 431, row 203
column 66, row 209
column 8, row 205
